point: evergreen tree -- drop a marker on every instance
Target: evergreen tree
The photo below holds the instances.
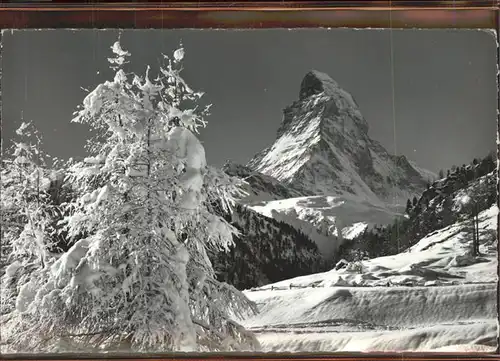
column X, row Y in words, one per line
column 441, row 174
column 415, row 201
column 140, row 278
column 26, row 217
column 24, row 186
column 409, row 207
column 471, row 208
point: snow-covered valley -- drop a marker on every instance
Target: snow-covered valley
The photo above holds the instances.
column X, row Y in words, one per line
column 434, row 296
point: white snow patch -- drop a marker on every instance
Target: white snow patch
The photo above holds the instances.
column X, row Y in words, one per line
column 26, row 296
column 63, row 267
column 12, row 268
column 190, row 150
column 179, row 54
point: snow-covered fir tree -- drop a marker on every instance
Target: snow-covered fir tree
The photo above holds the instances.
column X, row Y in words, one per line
column 27, row 230
column 137, row 276
column 24, row 188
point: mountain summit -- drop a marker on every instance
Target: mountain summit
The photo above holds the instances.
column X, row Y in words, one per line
column 315, row 82
column 323, row 147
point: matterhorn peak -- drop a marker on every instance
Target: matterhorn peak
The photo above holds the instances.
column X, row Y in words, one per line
column 315, row 82
column 323, row 147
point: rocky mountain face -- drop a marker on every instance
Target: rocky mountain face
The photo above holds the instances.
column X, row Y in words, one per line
column 323, row 147
column 261, row 187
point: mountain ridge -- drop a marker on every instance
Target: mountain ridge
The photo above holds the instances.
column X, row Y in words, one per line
column 323, row 146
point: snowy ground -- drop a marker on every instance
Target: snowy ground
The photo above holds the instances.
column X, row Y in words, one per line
column 434, row 297
column 340, row 217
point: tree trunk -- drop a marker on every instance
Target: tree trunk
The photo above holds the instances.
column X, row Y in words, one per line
column 477, row 228
column 472, row 230
column 149, row 202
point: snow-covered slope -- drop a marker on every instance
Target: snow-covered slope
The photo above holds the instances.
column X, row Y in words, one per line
column 434, row 296
column 323, row 147
column 442, row 338
column 343, row 216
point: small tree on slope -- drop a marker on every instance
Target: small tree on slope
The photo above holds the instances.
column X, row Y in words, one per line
column 138, row 277
column 26, row 232
column 23, row 196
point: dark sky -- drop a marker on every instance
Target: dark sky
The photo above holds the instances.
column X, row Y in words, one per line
column 444, row 84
